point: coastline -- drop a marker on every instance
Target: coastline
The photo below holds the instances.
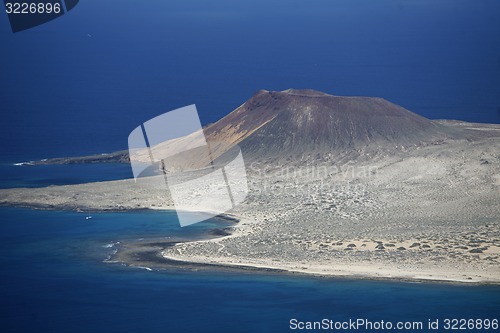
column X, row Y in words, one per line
column 170, row 256
column 346, row 272
column 426, row 214
column 152, row 255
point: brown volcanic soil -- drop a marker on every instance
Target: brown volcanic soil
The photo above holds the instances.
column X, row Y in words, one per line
column 300, row 121
column 291, row 124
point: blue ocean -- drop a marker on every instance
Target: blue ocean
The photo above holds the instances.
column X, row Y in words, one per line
column 54, row 279
column 79, row 84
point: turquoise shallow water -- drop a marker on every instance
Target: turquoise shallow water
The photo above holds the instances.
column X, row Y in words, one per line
column 53, row 280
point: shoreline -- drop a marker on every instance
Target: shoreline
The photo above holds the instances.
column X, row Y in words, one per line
column 150, row 255
column 348, row 271
column 344, row 275
column 240, row 225
column 344, row 271
column 161, row 260
column 225, row 217
column 426, row 214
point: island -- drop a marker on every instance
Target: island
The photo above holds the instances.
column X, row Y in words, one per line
column 338, row 186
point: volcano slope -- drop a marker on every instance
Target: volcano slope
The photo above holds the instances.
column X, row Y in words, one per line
column 338, row 186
